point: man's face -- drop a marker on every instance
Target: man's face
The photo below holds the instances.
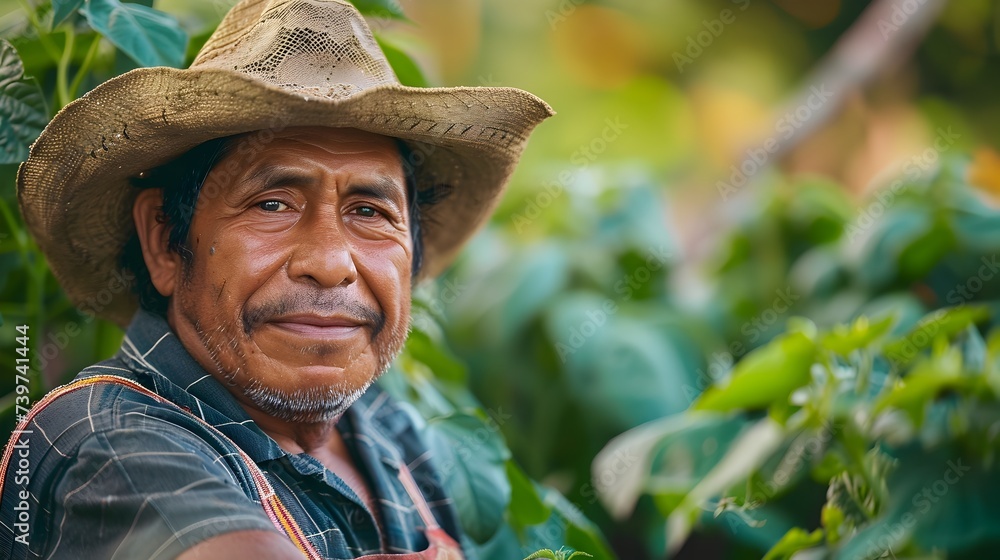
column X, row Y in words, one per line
column 298, row 294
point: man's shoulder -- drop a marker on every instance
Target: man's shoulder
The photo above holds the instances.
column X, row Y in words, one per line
column 100, row 397
column 108, row 452
column 104, row 398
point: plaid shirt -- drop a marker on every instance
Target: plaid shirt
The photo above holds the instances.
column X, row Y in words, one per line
column 114, row 474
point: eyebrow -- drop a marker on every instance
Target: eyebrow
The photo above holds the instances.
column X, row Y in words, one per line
column 384, row 188
column 271, row 176
column 268, row 177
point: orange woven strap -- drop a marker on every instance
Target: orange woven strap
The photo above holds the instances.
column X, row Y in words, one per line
column 417, row 497
column 442, row 546
column 269, row 501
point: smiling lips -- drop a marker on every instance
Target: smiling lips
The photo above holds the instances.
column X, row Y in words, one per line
column 316, row 326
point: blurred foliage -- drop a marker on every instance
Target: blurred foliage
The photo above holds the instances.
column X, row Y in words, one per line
column 614, row 288
column 586, row 314
column 905, row 447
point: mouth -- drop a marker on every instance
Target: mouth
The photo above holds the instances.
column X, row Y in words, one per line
column 319, row 327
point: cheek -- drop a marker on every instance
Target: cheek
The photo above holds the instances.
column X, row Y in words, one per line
column 231, row 265
column 388, row 276
column 250, row 254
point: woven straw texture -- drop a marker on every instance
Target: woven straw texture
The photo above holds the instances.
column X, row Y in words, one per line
column 269, row 66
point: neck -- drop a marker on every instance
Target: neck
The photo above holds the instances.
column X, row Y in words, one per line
column 298, row 437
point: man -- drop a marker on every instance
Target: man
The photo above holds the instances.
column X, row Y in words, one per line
column 273, row 203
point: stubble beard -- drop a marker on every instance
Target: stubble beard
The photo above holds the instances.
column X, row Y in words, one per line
column 324, row 404
column 319, row 404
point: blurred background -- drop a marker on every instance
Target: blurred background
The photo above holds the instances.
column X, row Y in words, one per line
column 720, row 176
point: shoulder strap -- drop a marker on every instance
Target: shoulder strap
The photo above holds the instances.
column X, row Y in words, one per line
column 273, row 507
column 417, row 497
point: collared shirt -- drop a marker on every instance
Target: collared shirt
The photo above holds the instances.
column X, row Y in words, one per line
column 112, row 473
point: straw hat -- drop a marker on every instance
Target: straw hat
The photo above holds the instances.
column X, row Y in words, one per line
column 269, row 65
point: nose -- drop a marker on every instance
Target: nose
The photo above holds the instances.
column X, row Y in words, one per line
column 323, row 254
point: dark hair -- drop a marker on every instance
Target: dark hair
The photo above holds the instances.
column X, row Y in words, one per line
column 181, row 181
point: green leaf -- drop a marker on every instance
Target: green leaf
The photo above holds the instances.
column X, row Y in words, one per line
column 195, row 44
column 754, row 446
column 937, row 499
column 406, row 69
column 916, row 260
column 579, row 532
column 692, row 444
column 532, row 284
column 577, row 537
column 855, row 495
column 526, row 506
column 941, row 323
column 539, row 537
column 543, row 553
column 420, row 346
column 794, row 541
column 505, row 544
column 22, row 108
column 767, row 375
column 62, row 9
column 832, row 518
column 861, row 333
column 881, row 245
column 925, row 382
column 619, row 366
column 470, row 456
column 387, row 9
column 974, row 352
column 148, row 36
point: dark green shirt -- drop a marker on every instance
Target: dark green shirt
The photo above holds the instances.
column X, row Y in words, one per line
column 114, row 474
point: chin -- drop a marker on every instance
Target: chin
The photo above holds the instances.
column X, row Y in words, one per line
column 311, row 405
column 309, row 385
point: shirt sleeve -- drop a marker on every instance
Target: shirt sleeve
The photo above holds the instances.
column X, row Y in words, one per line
column 149, row 492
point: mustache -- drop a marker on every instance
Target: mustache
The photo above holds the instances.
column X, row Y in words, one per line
column 315, row 303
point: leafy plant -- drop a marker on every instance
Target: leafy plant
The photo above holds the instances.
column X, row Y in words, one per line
column 22, row 105
column 557, row 554
column 901, row 449
column 874, row 437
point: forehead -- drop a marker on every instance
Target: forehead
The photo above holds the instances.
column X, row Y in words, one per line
column 302, row 156
column 316, row 143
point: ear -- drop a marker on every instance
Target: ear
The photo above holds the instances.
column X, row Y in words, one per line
column 164, row 265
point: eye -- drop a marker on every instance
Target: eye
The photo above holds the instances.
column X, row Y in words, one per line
column 272, row 206
column 366, row 211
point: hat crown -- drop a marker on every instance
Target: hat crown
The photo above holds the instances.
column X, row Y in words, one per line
column 320, row 48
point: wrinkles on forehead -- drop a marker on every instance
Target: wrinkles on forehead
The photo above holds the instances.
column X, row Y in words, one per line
column 289, row 160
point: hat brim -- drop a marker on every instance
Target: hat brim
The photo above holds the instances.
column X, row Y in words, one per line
column 75, row 194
